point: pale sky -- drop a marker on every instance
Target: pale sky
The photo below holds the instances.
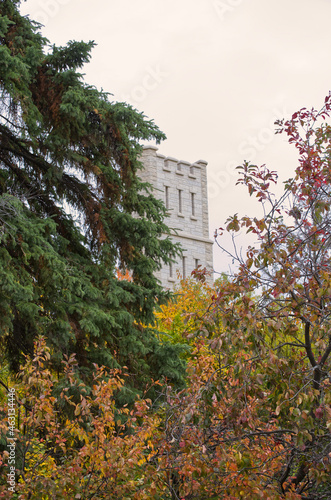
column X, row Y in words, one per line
column 213, row 74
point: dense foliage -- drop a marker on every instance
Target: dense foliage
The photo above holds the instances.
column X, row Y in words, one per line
column 72, row 211
column 285, row 332
column 80, row 239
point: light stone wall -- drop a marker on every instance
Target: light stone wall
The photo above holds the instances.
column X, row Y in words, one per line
column 181, row 183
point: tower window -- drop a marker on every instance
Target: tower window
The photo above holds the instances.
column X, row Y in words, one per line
column 184, row 267
column 196, row 262
column 171, row 270
column 180, row 201
column 193, row 203
column 166, row 190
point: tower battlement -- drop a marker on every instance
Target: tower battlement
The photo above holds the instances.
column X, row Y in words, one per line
column 183, row 188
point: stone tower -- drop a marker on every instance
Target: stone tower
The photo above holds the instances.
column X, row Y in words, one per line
column 183, row 188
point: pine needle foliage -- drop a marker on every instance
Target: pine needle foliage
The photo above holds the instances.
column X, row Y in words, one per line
column 72, row 211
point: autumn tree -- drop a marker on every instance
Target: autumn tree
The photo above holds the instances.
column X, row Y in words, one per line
column 89, row 454
column 72, row 212
column 286, row 330
column 189, row 314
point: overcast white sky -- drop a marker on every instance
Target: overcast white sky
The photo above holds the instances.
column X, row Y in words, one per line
column 213, row 74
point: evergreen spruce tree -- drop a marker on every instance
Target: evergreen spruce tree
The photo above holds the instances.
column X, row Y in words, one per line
column 72, row 210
